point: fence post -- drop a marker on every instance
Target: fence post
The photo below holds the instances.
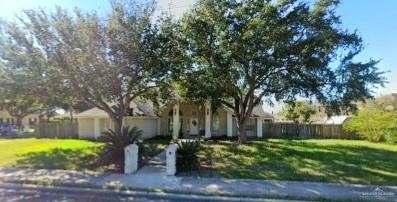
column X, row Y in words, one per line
column 171, row 159
column 131, row 158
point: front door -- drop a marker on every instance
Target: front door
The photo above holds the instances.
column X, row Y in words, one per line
column 193, row 126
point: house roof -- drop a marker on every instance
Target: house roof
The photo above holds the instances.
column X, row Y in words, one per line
column 256, row 112
column 145, row 109
column 337, row 119
column 259, row 112
column 140, row 109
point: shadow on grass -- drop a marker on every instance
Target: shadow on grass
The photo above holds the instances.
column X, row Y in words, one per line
column 63, row 159
column 299, row 160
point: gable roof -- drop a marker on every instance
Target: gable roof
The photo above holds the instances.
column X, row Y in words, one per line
column 145, row 109
column 337, row 119
column 257, row 111
column 140, row 109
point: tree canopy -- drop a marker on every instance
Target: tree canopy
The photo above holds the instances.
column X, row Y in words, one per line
column 108, row 61
column 241, row 52
column 299, row 111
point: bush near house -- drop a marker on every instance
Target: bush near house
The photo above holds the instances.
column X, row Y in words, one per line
column 113, row 150
column 187, row 155
column 374, row 125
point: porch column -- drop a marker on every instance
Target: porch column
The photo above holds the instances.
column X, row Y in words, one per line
column 158, row 126
column 175, row 121
column 208, row 119
column 259, row 123
column 229, row 123
column 97, row 131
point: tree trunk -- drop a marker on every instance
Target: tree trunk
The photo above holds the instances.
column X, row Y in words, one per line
column 19, row 121
column 242, row 136
column 71, row 113
column 118, row 124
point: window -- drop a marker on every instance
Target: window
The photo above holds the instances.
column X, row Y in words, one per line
column 130, row 112
column 170, row 113
column 251, row 124
column 216, row 123
column 1, row 120
column 194, row 113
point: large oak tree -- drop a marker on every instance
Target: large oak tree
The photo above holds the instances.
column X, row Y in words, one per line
column 106, row 60
column 241, row 52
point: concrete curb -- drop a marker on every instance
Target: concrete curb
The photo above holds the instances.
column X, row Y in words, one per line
column 237, row 188
column 171, row 193
column 153, row 194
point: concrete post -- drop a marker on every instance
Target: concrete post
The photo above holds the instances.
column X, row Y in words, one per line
column 171, row 159
column 131, row 158
column 208, row 120
column 158, row 126
column 175, row 121
column 229, row 124
column 259, row 123
column 97, row 131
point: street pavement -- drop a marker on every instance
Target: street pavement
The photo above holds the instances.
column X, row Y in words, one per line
column 152, row 178
column 28, row 193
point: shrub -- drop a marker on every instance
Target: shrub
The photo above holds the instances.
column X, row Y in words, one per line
column 113, row 150
column 376, row 126
column 187, row 155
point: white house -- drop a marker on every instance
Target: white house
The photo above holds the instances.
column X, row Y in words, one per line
column 179, row 119
column 337, row 119
column 6, row 118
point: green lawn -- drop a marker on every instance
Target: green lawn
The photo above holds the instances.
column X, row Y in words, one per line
column 62, row 154
column 312, row 160
column 343, row 161
column 48, row 153
column 153, row 147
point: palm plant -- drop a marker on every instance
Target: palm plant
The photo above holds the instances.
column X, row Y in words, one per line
column 113, row 150
column 187, row 155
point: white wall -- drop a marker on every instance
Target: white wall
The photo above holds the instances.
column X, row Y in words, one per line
column 4, row 115
column 147, row 124
column 86, row 128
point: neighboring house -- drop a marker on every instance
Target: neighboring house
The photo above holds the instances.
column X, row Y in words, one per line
column 6, row 118
column 337, row 119
column 181, row 119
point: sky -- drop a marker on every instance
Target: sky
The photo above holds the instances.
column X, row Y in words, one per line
column 374, row 20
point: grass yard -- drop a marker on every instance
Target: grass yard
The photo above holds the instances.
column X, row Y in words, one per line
column 152, row 147
column 49, row 153
column 344, row 161
column 62, row 154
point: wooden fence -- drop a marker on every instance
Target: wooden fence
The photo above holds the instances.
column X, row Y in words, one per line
column 306, row 131
column 57, row 130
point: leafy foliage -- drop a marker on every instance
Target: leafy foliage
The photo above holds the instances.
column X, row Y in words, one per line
column 113, row 150
column 239, row 53
column 107, row 61
column 383, row 103
column 375, row 126
column 23, row 76
column 299, row 111
column 187, row 155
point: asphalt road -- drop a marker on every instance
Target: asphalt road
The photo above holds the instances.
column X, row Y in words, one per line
column 29, row 193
